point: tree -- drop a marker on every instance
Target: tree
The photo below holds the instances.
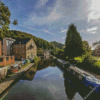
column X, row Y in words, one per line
column 73, row 43
column 15, row 22
column 86, row 46
column 5, row 17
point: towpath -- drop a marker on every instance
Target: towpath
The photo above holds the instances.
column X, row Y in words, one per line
column 4, row 85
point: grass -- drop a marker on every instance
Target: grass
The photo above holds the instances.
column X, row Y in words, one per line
column 96, row 57
column 25, row 65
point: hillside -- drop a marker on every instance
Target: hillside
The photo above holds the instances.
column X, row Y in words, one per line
column 56, row 44
column 41, row 43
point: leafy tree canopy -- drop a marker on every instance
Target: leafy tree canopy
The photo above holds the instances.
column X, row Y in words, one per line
column 58, row 45
column 86, row 46
column 73, row 42
column 4, row 17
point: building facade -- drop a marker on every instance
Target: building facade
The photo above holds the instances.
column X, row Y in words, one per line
column 96, row 51
column 25, row 49
column 7, row 46
column 6, row 56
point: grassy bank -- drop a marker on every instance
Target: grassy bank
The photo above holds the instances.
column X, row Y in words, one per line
column 86, row 62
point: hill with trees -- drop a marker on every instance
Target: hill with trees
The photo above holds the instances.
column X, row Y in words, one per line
column 58, row 45
column 18, row 35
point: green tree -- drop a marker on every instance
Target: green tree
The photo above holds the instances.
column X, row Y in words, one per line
column 15, row 22
column 86, row 46
column 5, row 17
column 73, row 43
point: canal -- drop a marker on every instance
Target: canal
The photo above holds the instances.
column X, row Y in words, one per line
column 45, row 81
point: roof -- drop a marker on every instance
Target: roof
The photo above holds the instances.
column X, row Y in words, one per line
column 9, row 38
column 22, row 41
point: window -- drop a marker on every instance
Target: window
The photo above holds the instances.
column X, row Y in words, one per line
column 19, row 46
column 7, row 58
column 22, row 46
column 1, row 59
column 7, row 42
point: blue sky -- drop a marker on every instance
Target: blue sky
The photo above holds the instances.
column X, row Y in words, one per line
column 49, row 19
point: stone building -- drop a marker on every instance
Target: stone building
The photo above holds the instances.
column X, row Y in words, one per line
column 47, row 53
column 96, row 51
column 25, row 49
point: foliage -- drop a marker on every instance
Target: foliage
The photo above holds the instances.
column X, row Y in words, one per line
column 15, row 22
column 58, row 45
column 4, row 17
column 36, row 59
column 73, row 42
column 55, row 51
column 40, row 52
column 86, row 46
column 23, row 35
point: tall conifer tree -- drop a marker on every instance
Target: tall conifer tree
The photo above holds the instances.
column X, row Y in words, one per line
column 73, row 42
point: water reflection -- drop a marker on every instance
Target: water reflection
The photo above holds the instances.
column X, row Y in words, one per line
column 69, row 89
column 45, row 63
column 47, row 83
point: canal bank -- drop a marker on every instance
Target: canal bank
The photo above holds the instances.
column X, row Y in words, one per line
column 7, row 83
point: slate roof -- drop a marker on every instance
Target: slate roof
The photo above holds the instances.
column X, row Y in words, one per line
column 22, row 41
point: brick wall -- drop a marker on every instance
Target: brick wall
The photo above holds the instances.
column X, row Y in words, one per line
column 7, row 60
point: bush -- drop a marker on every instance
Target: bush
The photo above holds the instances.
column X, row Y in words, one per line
column 36, row 59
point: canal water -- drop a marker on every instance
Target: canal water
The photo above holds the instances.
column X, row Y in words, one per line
column 44, row 81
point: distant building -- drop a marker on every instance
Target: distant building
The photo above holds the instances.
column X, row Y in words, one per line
column 47, row 53
column 25, row 49
column 96, row 51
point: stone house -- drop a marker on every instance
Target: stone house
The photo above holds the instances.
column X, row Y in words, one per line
column 96, row 51
column 25, row 49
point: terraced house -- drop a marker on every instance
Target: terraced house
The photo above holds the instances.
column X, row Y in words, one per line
column 25, row 49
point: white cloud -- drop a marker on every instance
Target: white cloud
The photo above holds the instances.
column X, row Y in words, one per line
column 63, row 37
column 63, row 31
column 94, row 10
column 92, row 30
column 41, row 3
column 47, row 32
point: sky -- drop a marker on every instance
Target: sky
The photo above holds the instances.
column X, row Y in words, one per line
column 50, row 19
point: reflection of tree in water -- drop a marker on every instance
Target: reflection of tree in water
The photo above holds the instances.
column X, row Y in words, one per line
column 69, row 89
column 45, row 63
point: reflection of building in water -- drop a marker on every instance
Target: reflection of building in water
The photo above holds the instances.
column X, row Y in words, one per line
column 69, row 89
column 29, row 75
